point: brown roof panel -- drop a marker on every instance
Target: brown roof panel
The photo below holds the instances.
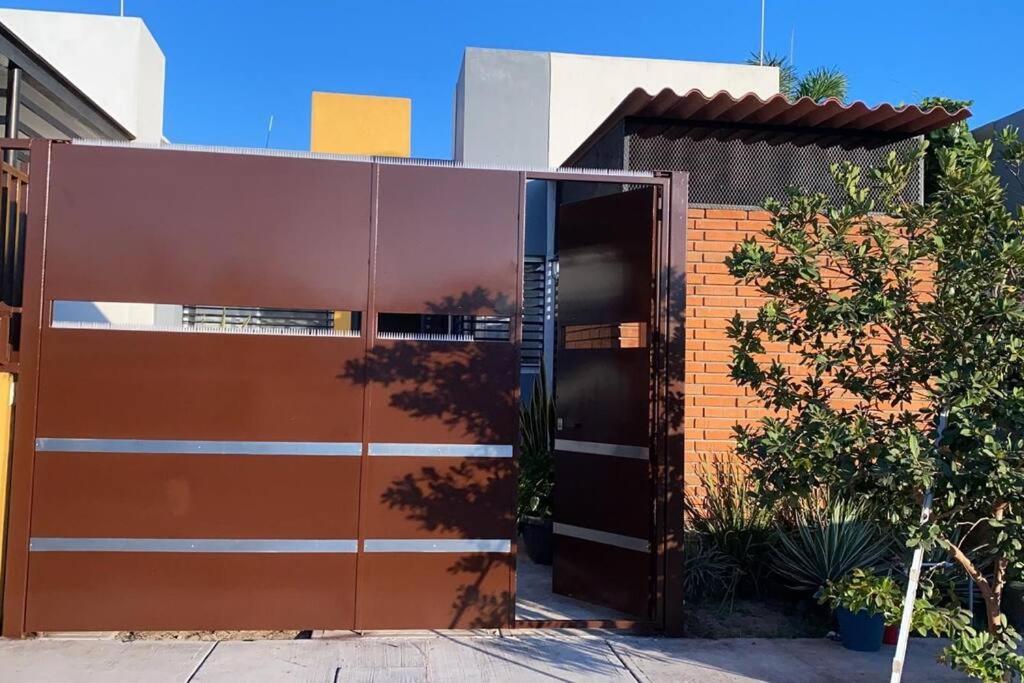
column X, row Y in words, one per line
column 802, row 119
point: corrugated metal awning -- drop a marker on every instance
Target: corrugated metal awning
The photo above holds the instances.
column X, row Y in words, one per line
column 776, row 119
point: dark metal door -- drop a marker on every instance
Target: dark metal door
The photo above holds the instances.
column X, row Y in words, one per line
column 603, row 492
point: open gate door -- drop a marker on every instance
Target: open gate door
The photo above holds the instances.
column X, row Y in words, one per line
column 603, row 495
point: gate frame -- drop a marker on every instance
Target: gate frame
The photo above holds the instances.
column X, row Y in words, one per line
column 666, row 399
column 26, row 389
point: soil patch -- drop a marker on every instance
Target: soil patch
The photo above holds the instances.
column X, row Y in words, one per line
column 754, row 619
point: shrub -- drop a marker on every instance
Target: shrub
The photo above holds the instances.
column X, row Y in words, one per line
column 729, row 519
column 987, row 657
column 863, row 590
column 707, row 571
column 536, row 458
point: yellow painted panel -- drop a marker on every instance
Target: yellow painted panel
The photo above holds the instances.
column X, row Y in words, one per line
column 361, row 124
column 6, row 384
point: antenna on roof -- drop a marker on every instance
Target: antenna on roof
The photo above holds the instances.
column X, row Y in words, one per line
column 760, row 59
column 792, row 46
column 122, row 8
column 270, row 127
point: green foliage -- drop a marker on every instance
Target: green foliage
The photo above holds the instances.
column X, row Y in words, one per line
column 536, row 458
column 955, row 136
column 1011, row 149
column 899, row 314
column 730, row 519
column 828, row 541
column 818, row 84
column 987, row 657
column 864, row 590
column 821, row 84
column 707, row 571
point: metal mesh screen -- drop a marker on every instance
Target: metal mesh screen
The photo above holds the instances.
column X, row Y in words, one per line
column 738, row 173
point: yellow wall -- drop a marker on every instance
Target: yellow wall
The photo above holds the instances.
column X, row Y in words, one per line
column 361, row 124
column 6, row 381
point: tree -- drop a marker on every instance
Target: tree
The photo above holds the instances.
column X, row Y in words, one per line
column 818, row 84
column 898, row 320
column 954, row 136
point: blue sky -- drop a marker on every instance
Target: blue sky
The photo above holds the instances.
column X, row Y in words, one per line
column 233, row 63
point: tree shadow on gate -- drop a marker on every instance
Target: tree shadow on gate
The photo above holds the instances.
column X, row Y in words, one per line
column 449, row 392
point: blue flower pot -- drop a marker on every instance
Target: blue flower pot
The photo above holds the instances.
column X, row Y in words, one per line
column 861, row 631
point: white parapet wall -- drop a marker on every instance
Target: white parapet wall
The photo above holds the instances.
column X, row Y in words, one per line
column 535, row 108
column 114, row 60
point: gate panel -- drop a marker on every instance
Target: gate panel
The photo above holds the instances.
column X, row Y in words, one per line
column 154, row 385
column 199, row 479
column 603, row 496
column 131, row 495
column 188, row 591
column 178, row 227
column 438, row 498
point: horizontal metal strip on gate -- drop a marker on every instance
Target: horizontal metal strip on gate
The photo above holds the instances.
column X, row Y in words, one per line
column 447, row 545
column 603, row 537
column 450, row 450
column 595, row 448
column 191, row 545
column 194, row 318
column 184, row 447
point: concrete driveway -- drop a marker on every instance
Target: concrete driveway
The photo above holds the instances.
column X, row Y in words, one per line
column 458, row 656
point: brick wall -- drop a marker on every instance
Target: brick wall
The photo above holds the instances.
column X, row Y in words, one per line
column 713, row 401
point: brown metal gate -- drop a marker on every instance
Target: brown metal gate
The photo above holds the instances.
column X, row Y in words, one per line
column 292, row 474
column 198, row 479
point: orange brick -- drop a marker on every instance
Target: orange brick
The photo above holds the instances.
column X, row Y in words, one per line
column 731, row 236
column 726, row 213
column 716, row 224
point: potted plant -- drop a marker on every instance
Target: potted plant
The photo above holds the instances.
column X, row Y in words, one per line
column 864, row 604
column 536, row 473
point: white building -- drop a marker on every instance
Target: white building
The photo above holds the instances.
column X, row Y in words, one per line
column 535, row 108
column 113, row 61
column 84, row 76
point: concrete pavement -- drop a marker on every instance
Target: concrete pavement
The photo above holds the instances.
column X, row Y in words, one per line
column 459, row 656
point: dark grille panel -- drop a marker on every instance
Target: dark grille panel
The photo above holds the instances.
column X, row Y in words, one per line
column 738, row 173
column 257, row 317
column 534, row 294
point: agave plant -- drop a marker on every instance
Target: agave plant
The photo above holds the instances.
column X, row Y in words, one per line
column 536, row 458
column 829, row 541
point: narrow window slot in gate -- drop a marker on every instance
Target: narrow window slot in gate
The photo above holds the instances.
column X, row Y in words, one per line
column 443, row 328
column 151, row 317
